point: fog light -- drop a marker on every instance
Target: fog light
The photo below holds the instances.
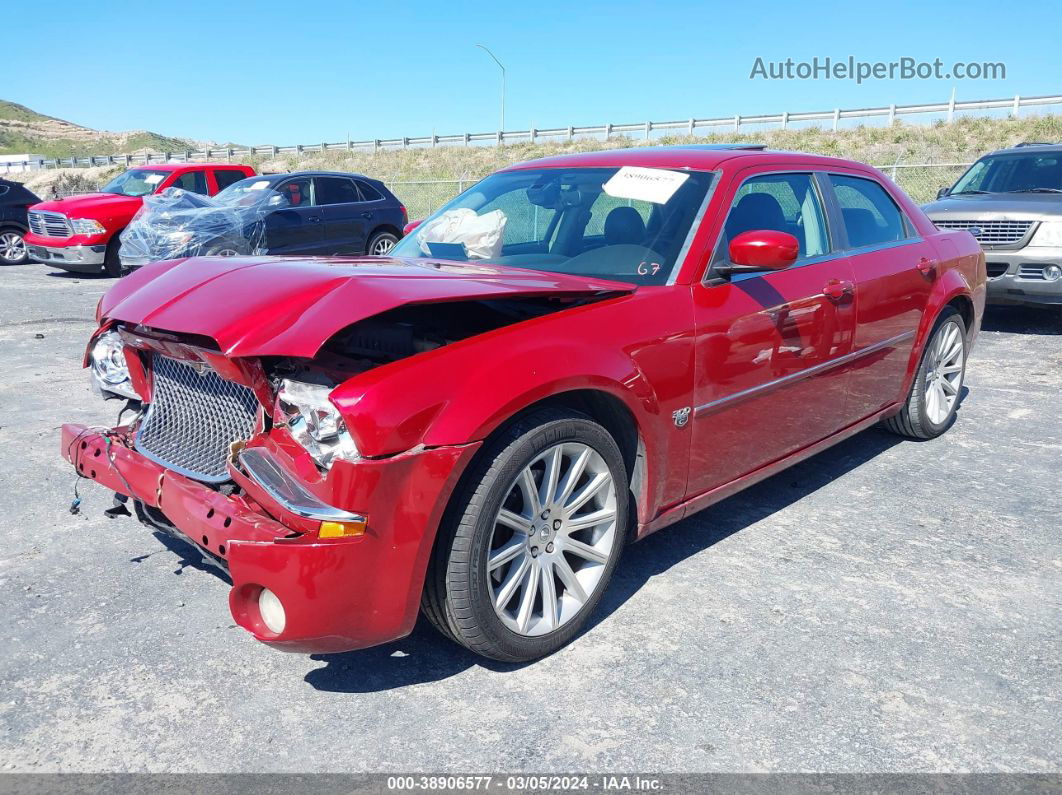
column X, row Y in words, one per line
column 1052, row 273
column 272, row 611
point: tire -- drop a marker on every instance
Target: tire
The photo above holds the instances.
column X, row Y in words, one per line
column 384, row 241
column 112, row 264
column 222, row 248
column 923, row 416
column 465, row 581
column 13, row 249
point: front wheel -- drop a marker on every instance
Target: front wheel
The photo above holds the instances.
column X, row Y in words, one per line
column 934, row 398
column 531, row 540
column 13, row 249
column 381, row 243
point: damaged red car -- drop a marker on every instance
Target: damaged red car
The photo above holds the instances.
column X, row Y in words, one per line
column 572, row 354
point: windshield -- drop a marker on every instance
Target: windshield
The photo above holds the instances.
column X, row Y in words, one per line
column 1010, row 173
column 136, row 182
column 247, row 192
column 627, row 224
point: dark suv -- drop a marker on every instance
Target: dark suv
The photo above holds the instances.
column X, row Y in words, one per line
column 1011, row 201
column 306, row 213
column 15, row 199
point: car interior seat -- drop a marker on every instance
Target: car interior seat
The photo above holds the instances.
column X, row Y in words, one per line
column 624, row 225
column 756, row 211
column 863, row 230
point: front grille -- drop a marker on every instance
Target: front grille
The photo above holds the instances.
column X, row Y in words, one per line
column 996, row 269
column 49, row 224
column 193, row 418
column 993, row 233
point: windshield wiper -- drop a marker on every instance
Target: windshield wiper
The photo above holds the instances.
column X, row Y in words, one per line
column 1036, row 190
column 964, row 192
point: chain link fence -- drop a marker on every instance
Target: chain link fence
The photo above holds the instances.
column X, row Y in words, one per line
column 423, row 197
column 921, row 181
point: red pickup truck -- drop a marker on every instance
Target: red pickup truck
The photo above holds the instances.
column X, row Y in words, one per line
column 80, row 233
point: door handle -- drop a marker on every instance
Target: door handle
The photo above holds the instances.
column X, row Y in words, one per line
column 838, row 289
column 314, row 219
column 366, row 215
column 927, row 266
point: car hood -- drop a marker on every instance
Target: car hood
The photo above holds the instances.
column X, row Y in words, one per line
column 92, row 205
column 287, row 306
column 996, row 206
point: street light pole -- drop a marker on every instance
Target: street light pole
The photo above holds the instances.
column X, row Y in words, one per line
column 495, row 57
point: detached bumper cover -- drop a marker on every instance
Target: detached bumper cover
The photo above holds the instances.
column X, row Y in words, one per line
column 338, row 594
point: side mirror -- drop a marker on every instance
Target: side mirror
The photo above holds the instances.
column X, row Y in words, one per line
column 411, row 226
column 761, row 250
column 943, row 192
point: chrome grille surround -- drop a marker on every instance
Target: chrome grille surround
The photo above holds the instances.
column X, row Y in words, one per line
column 193, row 417
column 993, row 233
column 49, row 224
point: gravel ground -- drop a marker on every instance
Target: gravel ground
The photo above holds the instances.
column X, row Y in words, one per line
column 884, row 606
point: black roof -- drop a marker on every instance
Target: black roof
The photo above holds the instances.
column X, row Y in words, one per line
column 286, row 174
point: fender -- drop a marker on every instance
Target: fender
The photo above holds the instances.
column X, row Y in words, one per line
column 463, row 392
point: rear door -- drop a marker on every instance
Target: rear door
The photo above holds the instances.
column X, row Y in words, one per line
column 344, row 215
column 295, row 226
column 194, row 181
column 770, row 346
column 891, row 292
column 223, row 177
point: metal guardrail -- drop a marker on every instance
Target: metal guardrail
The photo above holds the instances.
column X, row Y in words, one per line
column 686, row 127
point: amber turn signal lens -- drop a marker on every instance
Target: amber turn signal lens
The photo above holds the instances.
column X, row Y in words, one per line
column 342, row 529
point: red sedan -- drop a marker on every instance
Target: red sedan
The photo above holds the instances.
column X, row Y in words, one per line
column 572, row 354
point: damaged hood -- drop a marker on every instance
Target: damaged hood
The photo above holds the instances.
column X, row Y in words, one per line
column 280, row 306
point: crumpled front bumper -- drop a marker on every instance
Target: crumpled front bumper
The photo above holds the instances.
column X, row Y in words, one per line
column 338, row 593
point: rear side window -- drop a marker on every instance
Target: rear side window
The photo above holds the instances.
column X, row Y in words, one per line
column 368, row 192
column 226, row 178
column 335, row 190
column 780, row 202
column 194, row 181
column 870, row 215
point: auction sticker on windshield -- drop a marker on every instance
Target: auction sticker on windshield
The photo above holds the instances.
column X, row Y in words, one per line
column 656, row 185
column 153, row 179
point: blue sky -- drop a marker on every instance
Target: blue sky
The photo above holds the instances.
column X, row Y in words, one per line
column 283, row 73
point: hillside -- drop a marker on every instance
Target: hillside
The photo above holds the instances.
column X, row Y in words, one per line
column 23, row 131
column 908, row 146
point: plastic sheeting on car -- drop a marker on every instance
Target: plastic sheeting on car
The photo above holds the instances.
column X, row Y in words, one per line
column 178, row 223
column 480, row 235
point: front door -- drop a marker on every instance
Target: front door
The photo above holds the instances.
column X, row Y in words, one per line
column 294, row 227
column 770, row 347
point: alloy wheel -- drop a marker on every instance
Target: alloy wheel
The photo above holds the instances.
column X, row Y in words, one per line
column 382, row 245
column 12, row 247
column 552, row 539
column 944, row 372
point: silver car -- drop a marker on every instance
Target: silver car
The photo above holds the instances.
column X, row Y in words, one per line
column 1011, row 201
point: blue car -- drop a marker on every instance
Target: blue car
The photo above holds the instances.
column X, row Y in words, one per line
column 305, row 213
column 14, row 201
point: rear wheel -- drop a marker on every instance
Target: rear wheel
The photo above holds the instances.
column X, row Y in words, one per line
column 381, row 243
column 934, row 399
column 530, row 542
column 13, row 249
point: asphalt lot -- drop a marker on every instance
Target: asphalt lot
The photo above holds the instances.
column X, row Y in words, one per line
column 885, row 606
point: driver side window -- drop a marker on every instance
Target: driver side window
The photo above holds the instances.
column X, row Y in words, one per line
column 780, row 202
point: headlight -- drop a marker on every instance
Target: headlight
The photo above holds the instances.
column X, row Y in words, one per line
column 314, row 422
column 1049, row 233
column 110, row 372
column 87, row 226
